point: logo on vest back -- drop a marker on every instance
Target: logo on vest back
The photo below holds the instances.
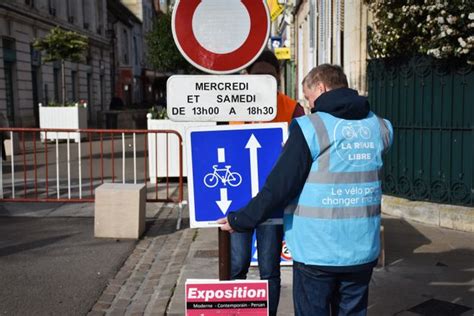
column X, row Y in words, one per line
column 355, row 143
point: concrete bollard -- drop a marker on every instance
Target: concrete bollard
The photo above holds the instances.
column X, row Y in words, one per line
column 120, row 210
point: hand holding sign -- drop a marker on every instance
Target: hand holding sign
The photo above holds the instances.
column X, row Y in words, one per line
column 225, row 225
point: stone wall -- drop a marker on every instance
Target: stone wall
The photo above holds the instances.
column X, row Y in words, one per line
column 355, row 44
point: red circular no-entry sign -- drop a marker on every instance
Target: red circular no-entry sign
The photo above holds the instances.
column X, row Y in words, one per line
column 219, row 36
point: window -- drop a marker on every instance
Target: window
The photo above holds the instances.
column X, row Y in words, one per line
column 312, row 13
column 89, row 96
column 30, row 3
column 125, row 47
column 324, row 33
column 8, row 43
column 102, row 91
column 339, row 32
column 74, row 85
column 71, row 10
column 57, row 88
column 89, row 56
column 9, row 62
column 100, row 15
column 9, row 87
column 85, row 13
column 36, row 85
column 135, row 49
column 52, row 7
column 35, row 56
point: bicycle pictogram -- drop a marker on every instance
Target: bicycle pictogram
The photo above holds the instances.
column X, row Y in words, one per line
column 349, row 132
column 226, row 176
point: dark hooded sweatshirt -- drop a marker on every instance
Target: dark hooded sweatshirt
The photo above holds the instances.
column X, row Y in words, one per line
column 288, row 176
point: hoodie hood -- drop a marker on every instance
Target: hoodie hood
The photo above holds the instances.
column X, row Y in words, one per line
column 343, row 103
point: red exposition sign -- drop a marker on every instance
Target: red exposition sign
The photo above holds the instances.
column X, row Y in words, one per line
column 213, row 297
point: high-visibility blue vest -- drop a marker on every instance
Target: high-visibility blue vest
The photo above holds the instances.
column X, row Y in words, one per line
column 335, row 221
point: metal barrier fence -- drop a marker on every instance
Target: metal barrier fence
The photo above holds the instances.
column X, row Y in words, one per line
column 44, row 165
column 430, row 105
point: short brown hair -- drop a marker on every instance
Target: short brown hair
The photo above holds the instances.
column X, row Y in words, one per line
column 268, row 57
column 331, row 75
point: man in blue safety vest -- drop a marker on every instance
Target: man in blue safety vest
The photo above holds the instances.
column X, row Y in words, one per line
column 328, row 178
column 269, row 237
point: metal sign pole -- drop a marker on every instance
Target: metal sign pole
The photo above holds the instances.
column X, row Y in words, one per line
column 224, row 255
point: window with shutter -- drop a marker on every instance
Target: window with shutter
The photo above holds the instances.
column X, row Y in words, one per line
column 71, row 10
column 322, row 32
column 86, row 13
column 52, row 7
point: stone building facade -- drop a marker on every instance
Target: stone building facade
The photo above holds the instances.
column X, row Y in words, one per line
column 125, row 28
column 26, row 81
column 328, row 31
column 129, row 22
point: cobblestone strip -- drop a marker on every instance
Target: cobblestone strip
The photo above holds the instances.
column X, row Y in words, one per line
column 164, row 292
column 130, row 291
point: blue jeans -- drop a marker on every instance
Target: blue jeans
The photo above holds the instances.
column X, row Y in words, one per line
column 321, row 293
column 269, row 239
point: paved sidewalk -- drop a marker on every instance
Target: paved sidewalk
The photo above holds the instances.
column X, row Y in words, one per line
column 147, row 280
column 427, row 267
column 202, row 263
column 424, row 265
column 151, row 281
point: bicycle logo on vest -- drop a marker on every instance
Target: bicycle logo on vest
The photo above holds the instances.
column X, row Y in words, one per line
column 357, row 146
column 226, row 176
column 350, row 132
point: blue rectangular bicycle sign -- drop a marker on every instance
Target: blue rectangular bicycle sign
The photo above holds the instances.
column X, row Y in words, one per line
column 227, row 166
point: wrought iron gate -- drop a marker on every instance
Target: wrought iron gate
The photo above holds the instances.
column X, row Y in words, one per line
column 431, row 107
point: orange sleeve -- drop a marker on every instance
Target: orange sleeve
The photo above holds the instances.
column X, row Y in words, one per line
column 285, row 108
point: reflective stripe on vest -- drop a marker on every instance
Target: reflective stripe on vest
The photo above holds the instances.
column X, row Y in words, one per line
column 323, row 175
column 334, row 212
column 344, row 177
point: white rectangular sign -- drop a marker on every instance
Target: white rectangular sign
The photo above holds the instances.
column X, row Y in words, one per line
column 222, row 98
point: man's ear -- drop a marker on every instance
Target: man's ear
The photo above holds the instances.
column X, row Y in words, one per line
column 322, row 87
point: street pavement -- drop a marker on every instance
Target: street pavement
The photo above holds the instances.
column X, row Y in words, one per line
column 427, row 268
column 50, row 262
column 54, row 266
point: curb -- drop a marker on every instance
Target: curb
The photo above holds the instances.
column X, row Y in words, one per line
column 442, row 215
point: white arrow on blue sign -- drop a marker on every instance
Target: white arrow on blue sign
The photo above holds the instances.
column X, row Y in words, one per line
column 227, row 166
